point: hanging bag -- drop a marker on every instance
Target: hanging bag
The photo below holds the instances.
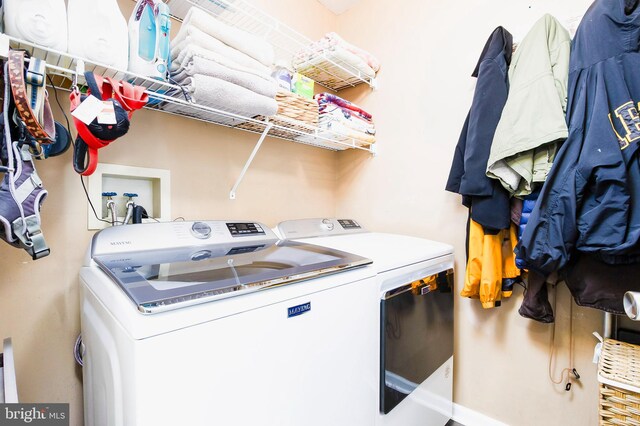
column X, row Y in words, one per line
column 123, row 97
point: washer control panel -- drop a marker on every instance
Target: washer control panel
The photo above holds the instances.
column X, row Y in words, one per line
column 179, row 234
column 321, row 227
column 245, row 229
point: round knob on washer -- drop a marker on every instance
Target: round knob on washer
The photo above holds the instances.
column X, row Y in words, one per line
column 327, row 224
column 201, row 230
column 201, row 255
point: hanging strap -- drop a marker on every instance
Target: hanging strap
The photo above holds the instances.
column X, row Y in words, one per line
column 42, row 131
column 21, row 190
column 35, row 80
column 94, row 83
column 32, row 240
column 85, row 152
column 131, row 97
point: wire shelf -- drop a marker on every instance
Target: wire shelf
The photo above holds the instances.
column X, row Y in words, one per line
column 63, row 68
column 322, row 66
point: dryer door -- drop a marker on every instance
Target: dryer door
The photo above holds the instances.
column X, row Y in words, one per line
column 416, row 335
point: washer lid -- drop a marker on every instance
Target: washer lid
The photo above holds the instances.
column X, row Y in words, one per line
column 388, row 251
column 170, row 278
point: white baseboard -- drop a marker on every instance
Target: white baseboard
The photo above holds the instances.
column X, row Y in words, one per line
column 469, row 417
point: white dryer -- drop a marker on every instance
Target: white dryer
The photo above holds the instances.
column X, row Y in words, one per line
column 415, row 316
column 167, row 343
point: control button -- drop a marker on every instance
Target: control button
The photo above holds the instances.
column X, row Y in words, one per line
column 201, row 255
column 201, row 230
column 327, row 224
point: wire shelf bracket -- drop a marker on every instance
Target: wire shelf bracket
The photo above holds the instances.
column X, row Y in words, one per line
column 232, row 193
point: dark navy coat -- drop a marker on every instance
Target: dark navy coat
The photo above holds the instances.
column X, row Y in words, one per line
column 591, row 199
column 488, row 200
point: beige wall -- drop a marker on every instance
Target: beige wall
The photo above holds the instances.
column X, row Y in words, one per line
column 39, row 306
column 428, row 50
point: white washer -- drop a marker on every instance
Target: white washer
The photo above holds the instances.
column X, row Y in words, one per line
column 166, row 344
column 415, row 316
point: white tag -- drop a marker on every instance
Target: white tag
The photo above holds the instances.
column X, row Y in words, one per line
column 108, row 113
column 597, row 351
column 88, row 110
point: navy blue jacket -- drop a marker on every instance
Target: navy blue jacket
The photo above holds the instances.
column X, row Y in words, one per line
column 488, row 200
column 591, row 199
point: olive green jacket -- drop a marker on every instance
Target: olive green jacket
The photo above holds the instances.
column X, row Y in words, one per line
column 532, row 124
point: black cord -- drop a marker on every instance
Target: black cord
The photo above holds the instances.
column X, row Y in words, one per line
column 91, row 204
column 184, row 91
column 55, row 95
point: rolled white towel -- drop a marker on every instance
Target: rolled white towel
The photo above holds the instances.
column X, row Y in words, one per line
column 352, row 123
column 199, row 65
column 185, row 56
column 192, row 36
column 230, row 97
column 253, row 46
column 339, row 55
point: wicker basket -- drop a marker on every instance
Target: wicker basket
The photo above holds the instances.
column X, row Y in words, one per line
column 297, row 107
column 294, row 112
column 619, row 377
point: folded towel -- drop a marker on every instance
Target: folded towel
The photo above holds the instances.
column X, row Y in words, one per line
column 329, row 42
column 253, row 46
column 186, row 55
column 329, row 108
column 341, row 132
column 334, row 39
column 202, row 66
column 337, row 132
column 328, row 98
column 306, row 63
column 220, row 94
column 192, row 36
column 346, row 117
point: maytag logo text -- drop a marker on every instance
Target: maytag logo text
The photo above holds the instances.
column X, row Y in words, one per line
column 294, row 311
